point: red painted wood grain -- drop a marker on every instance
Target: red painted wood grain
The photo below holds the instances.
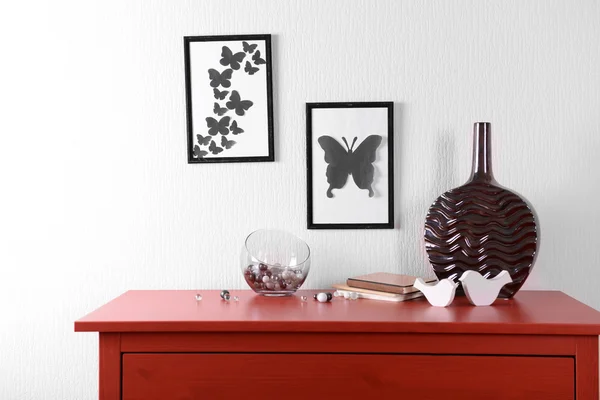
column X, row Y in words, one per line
column 529, row 312
column 346, row 376
column 400, row 343
column 110, row 366
column 586, row 367
column 165, row 344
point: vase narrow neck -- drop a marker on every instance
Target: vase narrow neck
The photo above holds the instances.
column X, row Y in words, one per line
column 482, row 153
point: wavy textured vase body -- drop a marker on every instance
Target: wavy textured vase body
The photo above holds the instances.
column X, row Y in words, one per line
column 482, row 226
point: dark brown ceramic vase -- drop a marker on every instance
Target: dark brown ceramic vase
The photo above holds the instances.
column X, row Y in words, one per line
column 482, row 226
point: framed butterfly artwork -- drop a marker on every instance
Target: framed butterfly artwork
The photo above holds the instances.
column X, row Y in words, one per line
column 229, row 98
column 350, row 165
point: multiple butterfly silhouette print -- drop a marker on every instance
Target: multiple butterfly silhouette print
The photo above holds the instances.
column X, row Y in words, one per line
column 222, row 121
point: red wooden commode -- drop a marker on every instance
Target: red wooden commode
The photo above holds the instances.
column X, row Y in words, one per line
column 161, row 345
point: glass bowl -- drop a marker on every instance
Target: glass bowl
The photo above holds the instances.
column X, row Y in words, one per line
column 274, row 263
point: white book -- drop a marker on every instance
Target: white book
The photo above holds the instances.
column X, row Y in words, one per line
column 395, row 298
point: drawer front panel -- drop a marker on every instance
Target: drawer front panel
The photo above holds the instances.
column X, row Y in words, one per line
column 195, row 376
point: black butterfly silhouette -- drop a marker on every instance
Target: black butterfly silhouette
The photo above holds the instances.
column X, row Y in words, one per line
column 227, row 143
column 235, row 129
column 250, row 69
column 214, row 148
column 199, row 153
column 218, row 127
column 249, row 48
column 222, row 78
column 203, row 140
column 233, row 60
column 220, row 95
column 257, row 60
column 240, row 106
column 342, row 162
column 218, row 110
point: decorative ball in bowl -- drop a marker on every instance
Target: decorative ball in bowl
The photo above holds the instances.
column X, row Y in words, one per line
column 275, row 263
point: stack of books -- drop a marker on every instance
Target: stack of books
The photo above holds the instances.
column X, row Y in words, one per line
column 382, row 286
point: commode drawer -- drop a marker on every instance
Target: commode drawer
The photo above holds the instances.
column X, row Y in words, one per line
column 194, row 376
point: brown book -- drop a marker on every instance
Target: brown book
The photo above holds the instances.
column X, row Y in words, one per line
column 386, row 282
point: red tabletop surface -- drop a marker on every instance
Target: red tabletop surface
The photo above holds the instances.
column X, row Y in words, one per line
column 529, row 312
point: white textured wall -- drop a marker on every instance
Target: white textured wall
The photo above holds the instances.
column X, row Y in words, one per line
column 96, row 196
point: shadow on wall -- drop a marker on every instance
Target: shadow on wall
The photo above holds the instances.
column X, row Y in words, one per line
column 276, row 79
column 399, row 132
column 445, row 162
column 444, row 168
column 570, row 211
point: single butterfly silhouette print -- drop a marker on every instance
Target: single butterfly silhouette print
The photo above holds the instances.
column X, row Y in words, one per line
column 250, row 69
column 214, row 148
column 227, row 143
column 220, row 126
column 219, row 110
column 199, row 153
column 203, row 140
column 249, row 48
column 220, row 95
column 235, row 129
column 220, row 78
column 236, row 103
column 233, row 60
column 342, row 162
column 257, row 60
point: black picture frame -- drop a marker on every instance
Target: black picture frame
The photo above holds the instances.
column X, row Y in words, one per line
column 189, row 80
column 311, row 223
